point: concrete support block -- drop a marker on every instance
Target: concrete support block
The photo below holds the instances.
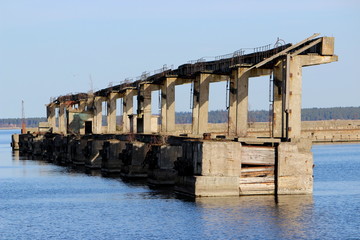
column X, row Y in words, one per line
column 208, row 186
column 295, row 167
column 168, row 155
column 162, row 172
column 15, row 142
column 133, row 160
column 92, row 153
column 216, row 168
column 221, row 158
column 77, row 152
column 111, row 150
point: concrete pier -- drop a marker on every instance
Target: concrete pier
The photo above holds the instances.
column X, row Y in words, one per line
column 200, row 159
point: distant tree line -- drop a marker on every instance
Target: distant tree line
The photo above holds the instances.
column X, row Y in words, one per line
column 307, row 114
column 221, row 116
column 16, row 122
column 318, row 114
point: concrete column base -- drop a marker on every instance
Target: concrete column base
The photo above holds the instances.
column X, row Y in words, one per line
column 207, row 186
column 15, row 142
column 295, row 167
column 161, row 177
column 133, row 157
column 93, row 158
column 77, row 155
column 110, row 156
column 133, row 171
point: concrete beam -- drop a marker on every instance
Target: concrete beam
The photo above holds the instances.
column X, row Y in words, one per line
column 311, row 60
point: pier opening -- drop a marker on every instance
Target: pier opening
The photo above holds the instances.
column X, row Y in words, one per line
column 155, row 109
column 119, row 113
column 104, row 113
column 66, row 117
column 259, row 99
column 135, row 105
column 218, row 102
column 183, row 104
column 57, row 115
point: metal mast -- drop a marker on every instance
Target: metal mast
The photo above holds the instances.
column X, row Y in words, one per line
column 23, row 124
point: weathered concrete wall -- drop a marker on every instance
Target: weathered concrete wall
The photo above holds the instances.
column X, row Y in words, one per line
column 332, row 131
column 110, row 155
column 161, row 164
column 92, row 153
column 216, row 168
column 317, row 131
column 295, row 167
column 133, row 160
column 15, row 142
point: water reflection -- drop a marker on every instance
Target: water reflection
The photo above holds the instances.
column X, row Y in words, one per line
column 287, row 216
column 15, row 155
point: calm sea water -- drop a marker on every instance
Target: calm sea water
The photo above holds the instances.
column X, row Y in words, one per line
column 39, row 200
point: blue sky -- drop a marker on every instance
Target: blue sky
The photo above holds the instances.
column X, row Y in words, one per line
column 51, row 48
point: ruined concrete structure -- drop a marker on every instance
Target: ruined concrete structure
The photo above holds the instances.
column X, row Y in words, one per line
column 200, row 159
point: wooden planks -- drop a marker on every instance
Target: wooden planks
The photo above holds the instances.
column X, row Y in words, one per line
column 262, row 171
column 258, row 155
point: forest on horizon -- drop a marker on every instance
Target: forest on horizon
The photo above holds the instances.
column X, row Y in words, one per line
column 221, row 116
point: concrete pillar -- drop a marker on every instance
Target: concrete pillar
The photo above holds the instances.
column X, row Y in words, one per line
column 287, row 98
column 278, row 88
column 51, row 116
column 232, row 104
column 242, row 79
column 62, row 119
column 111, row 113
column 168, row 105
column 127, row 109
column 82, row 105
column 294, row 97
column 146, row 108
column 201, row 104
column 97, row 123
column 294, row 167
